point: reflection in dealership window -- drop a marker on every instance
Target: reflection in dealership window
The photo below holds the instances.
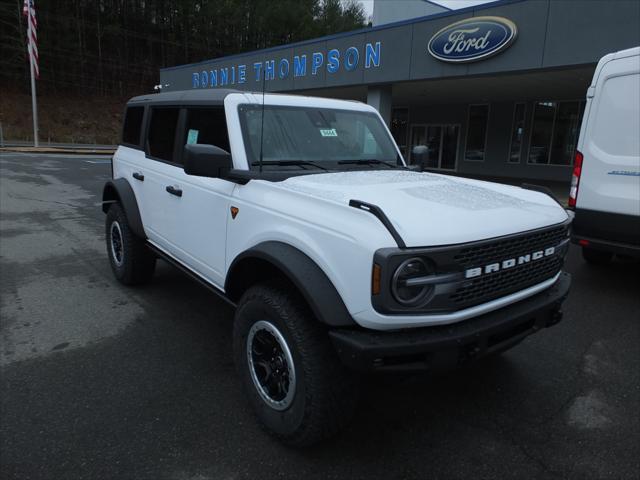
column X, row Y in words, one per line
column 434, row 142
column 517, row 133
column 543, row 115
column 441, row 142
column 565, row 133
column 449, row 146
column 476, row 132
column 554, row 133
column 399, row 124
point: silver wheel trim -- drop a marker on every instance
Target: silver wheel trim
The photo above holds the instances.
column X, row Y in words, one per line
column 291, row 392
column 115, row 230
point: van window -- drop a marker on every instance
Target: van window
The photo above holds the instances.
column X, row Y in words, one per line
column 162, row 133
column 617, row 121
column 132, row 126
column 208, row 126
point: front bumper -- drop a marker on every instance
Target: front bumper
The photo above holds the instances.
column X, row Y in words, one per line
column 449, row 346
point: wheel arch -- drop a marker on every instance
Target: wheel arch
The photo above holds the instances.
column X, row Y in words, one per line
column 269, row 260
column 120, row 191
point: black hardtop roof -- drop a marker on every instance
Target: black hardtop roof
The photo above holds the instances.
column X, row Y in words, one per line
column 208, row 97
column 198, row 97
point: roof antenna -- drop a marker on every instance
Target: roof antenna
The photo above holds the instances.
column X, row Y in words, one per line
column 264, row 79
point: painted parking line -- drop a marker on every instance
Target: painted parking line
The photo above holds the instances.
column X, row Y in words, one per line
column 98, row 161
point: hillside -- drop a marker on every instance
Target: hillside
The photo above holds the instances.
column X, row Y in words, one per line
column 62, row 118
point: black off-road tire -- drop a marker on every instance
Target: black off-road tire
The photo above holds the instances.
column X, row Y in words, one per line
column 596, row 257
column 325, row 391
column 132, row 262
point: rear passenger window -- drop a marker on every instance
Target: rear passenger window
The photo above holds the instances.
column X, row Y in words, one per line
column 208, row 126
column 162, row 133
column 132, row 126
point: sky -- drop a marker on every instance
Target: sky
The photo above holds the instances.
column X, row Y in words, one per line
column 453, row 4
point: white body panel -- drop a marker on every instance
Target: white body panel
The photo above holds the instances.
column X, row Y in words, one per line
column 169, row 220
column 430, row 210
column 312, row 214
column 610, row 137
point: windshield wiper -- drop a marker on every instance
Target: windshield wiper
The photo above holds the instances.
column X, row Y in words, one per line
column 369, row 161
column 286, row 163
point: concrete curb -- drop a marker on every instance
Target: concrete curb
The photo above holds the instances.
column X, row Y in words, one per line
column 72, row 151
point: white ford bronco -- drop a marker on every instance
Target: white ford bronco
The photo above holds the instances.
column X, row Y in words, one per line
column 338, row 258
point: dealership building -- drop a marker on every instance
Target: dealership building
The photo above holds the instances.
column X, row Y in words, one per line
column 497, row 90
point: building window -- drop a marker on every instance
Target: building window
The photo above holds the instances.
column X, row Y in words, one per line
column 442, row 144
column 400, row 128
column 449, row 151
column 162, row 133
column 517, row 134
column 565, row 133
column 554, row 133
column 477, row 127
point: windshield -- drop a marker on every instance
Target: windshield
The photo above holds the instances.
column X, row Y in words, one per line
column 315, row 137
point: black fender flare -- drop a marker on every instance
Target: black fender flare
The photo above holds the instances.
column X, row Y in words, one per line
column 120, row 191
column 310, row 280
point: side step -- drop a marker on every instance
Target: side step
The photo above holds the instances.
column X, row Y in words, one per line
column 190, row 273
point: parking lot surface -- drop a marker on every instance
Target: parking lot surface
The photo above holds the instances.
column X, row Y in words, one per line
column 103, row 381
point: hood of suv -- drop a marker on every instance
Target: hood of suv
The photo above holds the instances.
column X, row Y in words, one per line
column 430, row 209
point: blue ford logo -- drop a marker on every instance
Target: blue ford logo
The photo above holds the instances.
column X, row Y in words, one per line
column 472, row 39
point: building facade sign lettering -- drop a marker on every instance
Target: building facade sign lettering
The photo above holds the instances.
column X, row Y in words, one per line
column 302, row 65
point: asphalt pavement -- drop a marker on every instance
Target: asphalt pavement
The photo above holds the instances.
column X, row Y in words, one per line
column 102, row 381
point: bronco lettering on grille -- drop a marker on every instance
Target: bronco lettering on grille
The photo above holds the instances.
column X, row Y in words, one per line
column 509, row 263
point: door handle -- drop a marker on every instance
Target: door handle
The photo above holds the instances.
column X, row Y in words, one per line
column 174, row 190
column 138, row 176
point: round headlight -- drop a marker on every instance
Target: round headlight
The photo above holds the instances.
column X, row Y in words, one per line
column 405, row 293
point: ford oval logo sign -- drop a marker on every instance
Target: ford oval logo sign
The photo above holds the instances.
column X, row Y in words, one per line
column 472, row 39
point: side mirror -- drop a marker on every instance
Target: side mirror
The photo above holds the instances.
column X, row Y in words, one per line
column 206, row 160
column 419, row 155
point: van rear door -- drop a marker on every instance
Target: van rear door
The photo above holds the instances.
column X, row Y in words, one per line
column 610, row 139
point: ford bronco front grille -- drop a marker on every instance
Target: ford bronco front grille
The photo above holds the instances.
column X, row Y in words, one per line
column 498, row 284
column 489, row 287
column 481, row 255
column 479, row 272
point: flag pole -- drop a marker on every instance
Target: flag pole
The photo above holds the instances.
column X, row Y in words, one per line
column 34, row 106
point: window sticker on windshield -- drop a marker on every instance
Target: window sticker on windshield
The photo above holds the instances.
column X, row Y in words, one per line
column 328, row 132
column 192, row 137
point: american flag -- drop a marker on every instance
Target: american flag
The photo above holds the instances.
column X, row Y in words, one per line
column 29, row 10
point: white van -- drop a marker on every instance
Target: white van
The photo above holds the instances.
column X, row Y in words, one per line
column 605, row 188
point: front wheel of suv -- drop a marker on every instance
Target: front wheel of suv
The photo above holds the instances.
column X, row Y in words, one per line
column 131, row 261
column 294, row 380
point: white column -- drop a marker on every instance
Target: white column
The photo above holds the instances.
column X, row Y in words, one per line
column 379, row 97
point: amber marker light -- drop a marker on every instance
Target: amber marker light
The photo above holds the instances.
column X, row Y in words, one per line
column 375, row 279
column 234, row 212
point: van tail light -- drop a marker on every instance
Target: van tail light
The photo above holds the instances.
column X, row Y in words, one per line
column 575, row 179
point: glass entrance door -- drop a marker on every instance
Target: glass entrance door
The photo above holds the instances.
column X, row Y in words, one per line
column 442, row 142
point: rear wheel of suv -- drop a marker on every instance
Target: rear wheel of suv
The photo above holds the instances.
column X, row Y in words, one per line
column 131, row 261
column 294, row 380
column 596, row 257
